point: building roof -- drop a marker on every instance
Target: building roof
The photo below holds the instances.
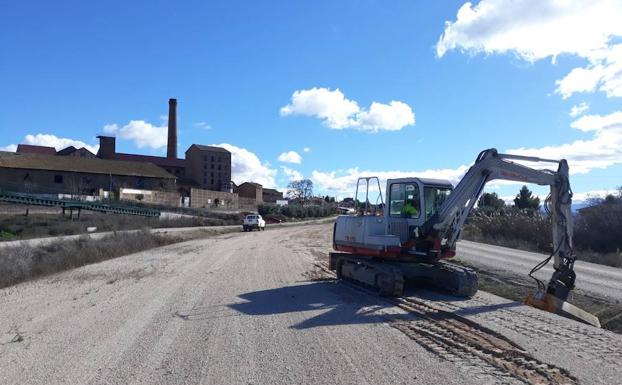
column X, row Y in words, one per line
column 271, row 191
column 67, row 150
column 71, row 149
column 157, row 160
column 256, row 185
column 83, row 165
column 208, row 148
column 32, row 149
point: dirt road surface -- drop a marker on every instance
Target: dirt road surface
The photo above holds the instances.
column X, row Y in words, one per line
column 255, row 308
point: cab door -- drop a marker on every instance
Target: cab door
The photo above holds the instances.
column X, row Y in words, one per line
column 405, row 208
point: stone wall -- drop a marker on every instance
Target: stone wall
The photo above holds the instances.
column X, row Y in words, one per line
column 200, row 198
column 247, row 204
column 163, row 198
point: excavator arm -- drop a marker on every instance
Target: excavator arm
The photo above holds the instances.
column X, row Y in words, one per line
column 490, row 165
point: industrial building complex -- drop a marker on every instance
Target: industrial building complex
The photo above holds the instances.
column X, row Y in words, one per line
column 202, row 179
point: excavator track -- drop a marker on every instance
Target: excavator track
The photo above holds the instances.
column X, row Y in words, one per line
column 388, row 277
column 383, row 277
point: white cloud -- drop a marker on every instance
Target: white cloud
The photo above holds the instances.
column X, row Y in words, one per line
column 143, row 134
column 291, row 173
column 10, row 148
column 391, row 117
column 306, row 149
column 344, row 182
column 203, row 125
column 603, row 73
column 579, row 110
column 338, row 112
column 50, row 140
column 538, row 29
column 246, row 167
column 290, row 157
column 603, row 150
column 579, row 80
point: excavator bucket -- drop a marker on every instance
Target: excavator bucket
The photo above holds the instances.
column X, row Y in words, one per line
column 552, row 304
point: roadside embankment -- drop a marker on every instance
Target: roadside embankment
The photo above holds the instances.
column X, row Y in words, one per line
column 28, row 259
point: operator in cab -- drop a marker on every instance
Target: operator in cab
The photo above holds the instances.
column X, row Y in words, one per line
column 411, row 208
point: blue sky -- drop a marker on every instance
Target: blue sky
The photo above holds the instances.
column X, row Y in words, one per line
column 76, row 69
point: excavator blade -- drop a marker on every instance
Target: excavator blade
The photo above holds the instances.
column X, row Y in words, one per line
column 552, row 304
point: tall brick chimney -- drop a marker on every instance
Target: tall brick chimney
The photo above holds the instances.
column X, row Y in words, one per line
column 171, row 152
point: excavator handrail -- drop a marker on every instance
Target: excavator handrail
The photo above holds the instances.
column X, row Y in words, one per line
column 356, row 201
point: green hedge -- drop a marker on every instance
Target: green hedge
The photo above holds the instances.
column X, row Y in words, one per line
column 296, row 211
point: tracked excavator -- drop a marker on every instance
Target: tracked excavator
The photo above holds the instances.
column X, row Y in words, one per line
column 413, row 236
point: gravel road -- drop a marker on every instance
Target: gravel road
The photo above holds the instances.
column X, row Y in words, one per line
column 253, row 308
column 599, row 279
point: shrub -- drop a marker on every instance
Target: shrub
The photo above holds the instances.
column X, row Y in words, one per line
column 296, row 211
column 512, row 229
column 599, row 228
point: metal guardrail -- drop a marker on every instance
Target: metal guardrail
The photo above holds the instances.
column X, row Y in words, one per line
column 31, row 199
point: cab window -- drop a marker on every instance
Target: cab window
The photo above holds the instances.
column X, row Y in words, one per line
column 404, row 200
column 434, row 198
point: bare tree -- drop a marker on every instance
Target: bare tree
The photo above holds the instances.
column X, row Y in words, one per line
column 300, row 190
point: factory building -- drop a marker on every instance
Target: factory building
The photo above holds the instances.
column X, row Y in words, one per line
column 206, row 170
column 51, row 174
column 205, row 167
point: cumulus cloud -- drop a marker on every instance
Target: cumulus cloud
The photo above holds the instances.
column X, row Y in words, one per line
column 338, row 112
column 50, row 140
column 10, row 148
column 538, row 29
column 604, row 72
column 579, row 110
column 602, row 150
column 142, row 133
column 290, row 157
column 246, row 167
column 344, row 182
column 306, row 149
column 291, row 173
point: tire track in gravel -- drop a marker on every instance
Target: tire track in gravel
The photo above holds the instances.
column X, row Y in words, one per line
column 473, row 348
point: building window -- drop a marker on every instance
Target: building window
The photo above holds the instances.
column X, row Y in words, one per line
column 58, row 179
column 212, row 174
column 212, row 182
column 212, row 158
column 205, row 158
column 219, row 167
column 212, row 166
column 205, row 166
column 219, row 159
column 204, row 180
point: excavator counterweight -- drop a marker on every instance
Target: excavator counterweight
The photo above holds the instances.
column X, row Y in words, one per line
column 412, row 236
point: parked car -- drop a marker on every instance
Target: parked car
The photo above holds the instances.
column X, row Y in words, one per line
column 253, row 221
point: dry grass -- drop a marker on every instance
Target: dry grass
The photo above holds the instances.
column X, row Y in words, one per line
column 534, row 233
column 22, row 263
column 16, row 227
